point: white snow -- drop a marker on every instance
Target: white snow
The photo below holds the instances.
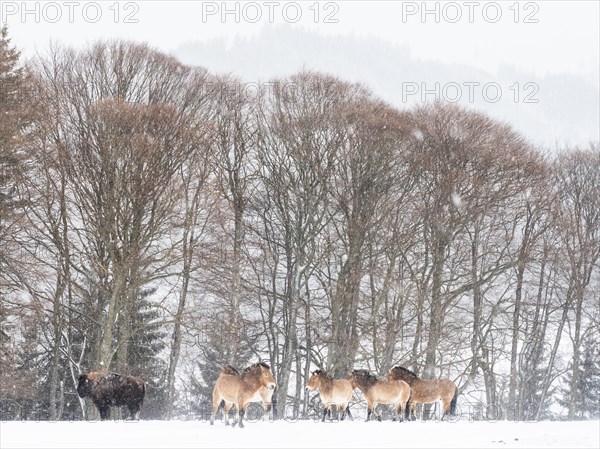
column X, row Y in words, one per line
column 284, row 434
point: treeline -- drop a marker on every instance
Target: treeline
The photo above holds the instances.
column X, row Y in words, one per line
column 161, row 221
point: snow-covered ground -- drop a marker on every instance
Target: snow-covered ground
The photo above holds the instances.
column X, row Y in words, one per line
column 197, row 434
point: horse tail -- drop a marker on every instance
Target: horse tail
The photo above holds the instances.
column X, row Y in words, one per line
column 407, row 407
column 453, row 402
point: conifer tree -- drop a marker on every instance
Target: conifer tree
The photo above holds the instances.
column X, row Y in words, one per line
column 147, row 342
column 15, row 115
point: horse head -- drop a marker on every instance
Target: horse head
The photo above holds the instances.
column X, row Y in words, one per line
column 265, row 375
column 317, row 379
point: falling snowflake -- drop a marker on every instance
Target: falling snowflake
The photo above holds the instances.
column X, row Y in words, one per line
column 418, row 134
column 456, row 199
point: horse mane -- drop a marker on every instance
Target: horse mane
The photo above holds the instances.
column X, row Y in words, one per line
column 255, row 366
column 406, row 371
column 228, row 369
column 323, row 374
column 369, row 379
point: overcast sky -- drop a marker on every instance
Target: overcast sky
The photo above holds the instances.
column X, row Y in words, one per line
column 541, row 39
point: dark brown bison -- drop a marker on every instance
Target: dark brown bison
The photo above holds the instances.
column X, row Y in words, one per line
column 111, row 389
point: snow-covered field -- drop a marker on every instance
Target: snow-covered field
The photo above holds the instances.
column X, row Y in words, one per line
column 197, row 434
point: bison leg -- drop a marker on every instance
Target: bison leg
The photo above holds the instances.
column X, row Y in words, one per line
column 104, row 410
column 134, row 411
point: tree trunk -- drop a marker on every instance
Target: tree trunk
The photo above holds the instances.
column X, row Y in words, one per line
column 512, row 412
column 188, row 240
column 344, row 318
column 436, row 313
column 574, row 403
column 105, row 353
column 291, row 344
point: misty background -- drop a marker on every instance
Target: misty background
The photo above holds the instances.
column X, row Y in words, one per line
column 543, row 56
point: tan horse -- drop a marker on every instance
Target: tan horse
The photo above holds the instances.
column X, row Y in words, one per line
column 255, row 384
column 426, row 391
column 266, row 394
column 334, row 393
column 375, row 391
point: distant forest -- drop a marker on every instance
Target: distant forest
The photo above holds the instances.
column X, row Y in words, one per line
column 161, row 221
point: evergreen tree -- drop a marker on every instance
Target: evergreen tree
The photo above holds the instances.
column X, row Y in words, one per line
column 590, row 379
column 144, row 351
column 589, row 382
column 531, row 396
column 16, row 111
column 215, row 353
column 15, row 115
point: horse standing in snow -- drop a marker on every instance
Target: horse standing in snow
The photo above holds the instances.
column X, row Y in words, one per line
column 376, row 391
column 266, row 394
column 426, row 391
column 334, row 393
column 255, row 384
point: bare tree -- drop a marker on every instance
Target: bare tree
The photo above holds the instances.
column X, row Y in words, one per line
column 370, row 182
column 126, row 123
column 296, row 152
column 198, row 206
column 236, row 140
column 470, row 168
column 577, row 175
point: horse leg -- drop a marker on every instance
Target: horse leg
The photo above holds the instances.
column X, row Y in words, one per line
column 241, row 413
column 237, row 415
column 348, row 413
column 216, row 403
column 324, row 413
column 445, row 408
column 226, row 408
column 267, row 408
column 343, row 408
column 399, row 412
column 374, row 410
